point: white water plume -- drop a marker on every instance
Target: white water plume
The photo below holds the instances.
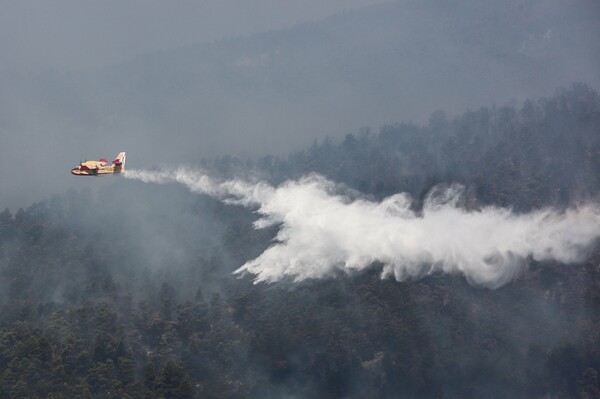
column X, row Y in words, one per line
column 323, row 233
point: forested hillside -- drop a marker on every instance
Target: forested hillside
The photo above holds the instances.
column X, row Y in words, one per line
column 543, row 152
column 130, row 293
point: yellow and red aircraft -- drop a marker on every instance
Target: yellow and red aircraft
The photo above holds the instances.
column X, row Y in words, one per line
column 100, row 167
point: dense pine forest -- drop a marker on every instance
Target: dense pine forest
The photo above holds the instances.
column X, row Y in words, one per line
column 128, row 292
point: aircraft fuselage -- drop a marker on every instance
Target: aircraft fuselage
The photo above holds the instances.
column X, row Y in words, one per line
column 101, row 167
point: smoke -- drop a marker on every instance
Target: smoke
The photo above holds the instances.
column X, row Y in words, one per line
column 323, row 232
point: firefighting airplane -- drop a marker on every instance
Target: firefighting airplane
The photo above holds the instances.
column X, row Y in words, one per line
column 100, row 167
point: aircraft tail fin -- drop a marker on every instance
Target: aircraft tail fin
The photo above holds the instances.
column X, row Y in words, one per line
column 119, row 162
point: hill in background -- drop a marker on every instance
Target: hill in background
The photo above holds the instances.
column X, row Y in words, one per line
column 132, row 295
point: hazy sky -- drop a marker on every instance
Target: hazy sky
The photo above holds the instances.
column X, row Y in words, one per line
column 73, row 33
column 373, row 65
